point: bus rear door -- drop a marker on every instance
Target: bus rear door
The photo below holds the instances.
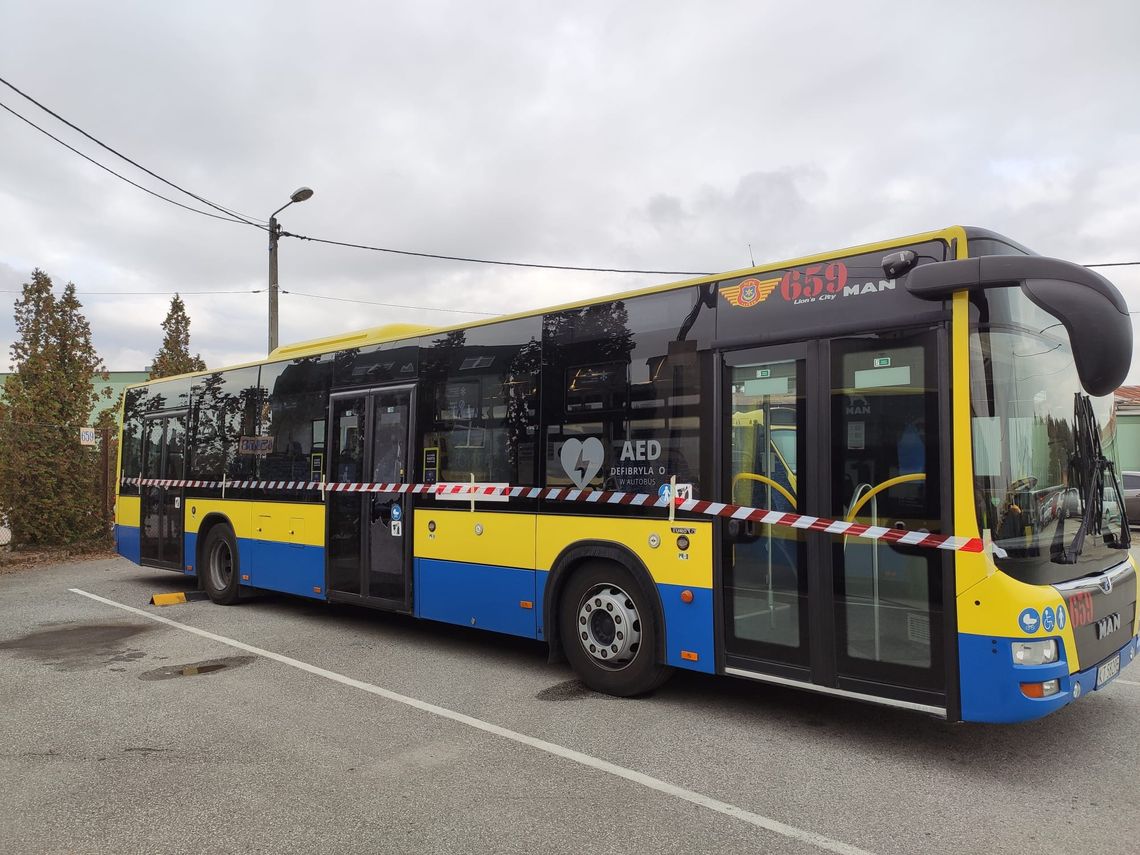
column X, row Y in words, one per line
column 164, row 453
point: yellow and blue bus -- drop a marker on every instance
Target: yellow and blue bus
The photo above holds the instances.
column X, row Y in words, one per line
column 882, row 473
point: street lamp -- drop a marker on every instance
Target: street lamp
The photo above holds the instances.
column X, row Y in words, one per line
column 299, row 195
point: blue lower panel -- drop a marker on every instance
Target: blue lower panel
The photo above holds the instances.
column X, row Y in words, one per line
column 688, row 627
column 478, row 595
column 540, row 579
column 290, row 568
column 286, row 567
column 991, row 682
column 127, row 542
column 190, row 553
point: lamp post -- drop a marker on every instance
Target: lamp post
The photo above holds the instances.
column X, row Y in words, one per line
column 299, row 195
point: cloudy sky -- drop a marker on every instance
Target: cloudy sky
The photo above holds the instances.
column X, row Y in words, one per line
column 659, row 135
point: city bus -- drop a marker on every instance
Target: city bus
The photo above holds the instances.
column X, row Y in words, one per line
column 881, row 473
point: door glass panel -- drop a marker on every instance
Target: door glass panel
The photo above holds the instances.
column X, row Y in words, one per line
column 344, row 509
column 150, row 534
column 172, row 467
column 386, row 577
column 765, row 577
column 885, row 465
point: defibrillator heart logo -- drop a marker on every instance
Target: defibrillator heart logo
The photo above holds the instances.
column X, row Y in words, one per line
column 582, row 460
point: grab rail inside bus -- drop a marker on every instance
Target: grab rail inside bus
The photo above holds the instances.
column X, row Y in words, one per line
column 878, row 488
column 763, row 479
column 857, row 502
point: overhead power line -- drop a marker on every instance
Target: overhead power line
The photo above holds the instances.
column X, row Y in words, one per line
column 139, row 293
column 243, row 218
column 85, row 293
column 470, row 260
column 390, row 305
column 116, row 174
column 1114, row 264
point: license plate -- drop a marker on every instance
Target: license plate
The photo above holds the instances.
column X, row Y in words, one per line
column 1108, row 670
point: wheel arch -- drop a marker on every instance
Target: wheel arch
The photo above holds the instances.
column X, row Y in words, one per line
column 573, row 557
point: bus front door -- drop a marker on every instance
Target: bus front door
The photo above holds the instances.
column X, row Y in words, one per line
column 164, row 451
column 368, row 557
column 846, row 429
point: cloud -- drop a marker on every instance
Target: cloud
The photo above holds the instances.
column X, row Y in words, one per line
column 639, row 135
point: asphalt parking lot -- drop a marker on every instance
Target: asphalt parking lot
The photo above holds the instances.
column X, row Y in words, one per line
column 335, row 729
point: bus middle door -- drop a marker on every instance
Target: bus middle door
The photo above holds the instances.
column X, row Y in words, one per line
column 368, row 558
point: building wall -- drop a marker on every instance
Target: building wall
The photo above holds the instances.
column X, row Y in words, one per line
column 1128, row 441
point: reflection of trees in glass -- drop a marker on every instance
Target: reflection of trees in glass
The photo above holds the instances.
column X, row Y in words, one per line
column 293, row 397
column 604, row 327
column 521, row 388
column 440, row 360
column 133, row 409
column 221, row 414
column 1060, row 434
column 342, row 364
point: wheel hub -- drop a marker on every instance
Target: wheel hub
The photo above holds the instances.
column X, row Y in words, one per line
column 609, row 626
column 221, row 565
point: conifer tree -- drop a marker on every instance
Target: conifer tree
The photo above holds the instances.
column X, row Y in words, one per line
column 174, row 355
column 50, row 486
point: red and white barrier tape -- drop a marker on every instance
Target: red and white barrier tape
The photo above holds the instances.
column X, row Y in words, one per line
column 475, row 492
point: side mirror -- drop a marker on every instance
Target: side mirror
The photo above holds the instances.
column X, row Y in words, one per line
column 1092, row 311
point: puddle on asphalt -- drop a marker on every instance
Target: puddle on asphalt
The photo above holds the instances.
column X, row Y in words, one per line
column 193, row 669
column 78, row 645
column 571, row 690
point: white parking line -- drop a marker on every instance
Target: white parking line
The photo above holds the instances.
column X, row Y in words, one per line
column 1127, row 682
column 644, row 780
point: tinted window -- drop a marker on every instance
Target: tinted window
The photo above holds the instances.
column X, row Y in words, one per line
column 992, row 246
column 169, row 395
column 479, row 403
column 1131, row 482
column 225, row 410
column 621, row 393
column 294, row 412
column 134, row 405
column 375, row 365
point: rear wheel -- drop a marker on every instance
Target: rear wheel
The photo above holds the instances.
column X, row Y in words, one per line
column 608, row 630
column 221, row 572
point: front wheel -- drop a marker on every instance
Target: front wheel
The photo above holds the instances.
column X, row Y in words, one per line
column 220, row 569
column 608, row 630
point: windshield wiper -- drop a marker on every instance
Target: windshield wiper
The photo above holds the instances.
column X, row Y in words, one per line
column 1087, row 467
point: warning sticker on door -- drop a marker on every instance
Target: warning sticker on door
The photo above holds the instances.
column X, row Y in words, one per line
column 397, row 528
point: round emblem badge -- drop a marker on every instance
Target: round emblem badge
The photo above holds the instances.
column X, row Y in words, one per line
column 749, row 293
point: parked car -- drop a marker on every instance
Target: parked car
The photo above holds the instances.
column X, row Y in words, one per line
column 1132, row 497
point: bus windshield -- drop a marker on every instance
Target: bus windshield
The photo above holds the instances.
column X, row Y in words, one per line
column 1028, row 464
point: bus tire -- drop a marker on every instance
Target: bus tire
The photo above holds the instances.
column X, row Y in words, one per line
column 221, row 570
column 609, row 630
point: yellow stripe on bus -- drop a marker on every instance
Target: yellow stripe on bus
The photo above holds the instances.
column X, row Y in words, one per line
column 478, row 537
column 281, row 522
column 128, row 510
column 665, row 562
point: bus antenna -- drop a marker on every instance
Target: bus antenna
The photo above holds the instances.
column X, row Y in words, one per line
column 750, row 258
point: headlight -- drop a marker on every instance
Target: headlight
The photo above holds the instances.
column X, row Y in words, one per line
column 1035, row 652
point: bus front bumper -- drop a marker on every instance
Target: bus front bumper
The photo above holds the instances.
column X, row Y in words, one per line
column 992, row 689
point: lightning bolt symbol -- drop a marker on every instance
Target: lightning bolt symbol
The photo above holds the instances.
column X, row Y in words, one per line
column 580, row 466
